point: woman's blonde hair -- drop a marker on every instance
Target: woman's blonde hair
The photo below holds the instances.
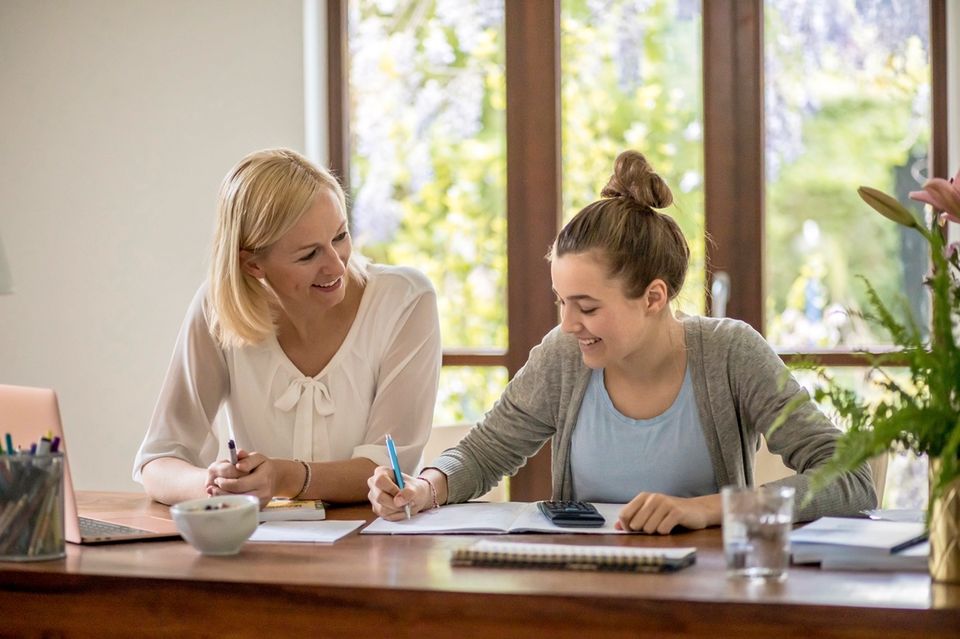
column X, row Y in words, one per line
column 639, row 244
column 260, row 199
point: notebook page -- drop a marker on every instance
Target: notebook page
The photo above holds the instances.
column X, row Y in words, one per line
column 472, row 517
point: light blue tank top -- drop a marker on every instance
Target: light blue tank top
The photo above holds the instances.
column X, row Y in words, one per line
column 614, row 457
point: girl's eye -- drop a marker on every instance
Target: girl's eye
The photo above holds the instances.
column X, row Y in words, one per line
column 558, row 303
column 588, row 311
column 340, row 237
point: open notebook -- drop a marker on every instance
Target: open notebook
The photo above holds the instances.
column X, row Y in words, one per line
column 30, row 413
column 489, row 518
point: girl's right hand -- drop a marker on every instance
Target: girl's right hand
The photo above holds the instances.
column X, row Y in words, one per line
column 388, row 500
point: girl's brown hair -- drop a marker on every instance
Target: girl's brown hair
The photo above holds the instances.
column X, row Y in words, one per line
column 638, row 243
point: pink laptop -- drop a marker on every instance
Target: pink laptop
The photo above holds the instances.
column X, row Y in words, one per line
column 30, row 413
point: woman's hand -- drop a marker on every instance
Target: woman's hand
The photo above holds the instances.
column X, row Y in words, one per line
column 388, row 500
column 254, row 474
column 222, row 468
column 657, row 513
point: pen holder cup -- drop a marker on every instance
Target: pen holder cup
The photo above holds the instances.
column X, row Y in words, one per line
column 31, row 507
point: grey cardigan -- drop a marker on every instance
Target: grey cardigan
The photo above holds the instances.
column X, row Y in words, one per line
column 739, row 385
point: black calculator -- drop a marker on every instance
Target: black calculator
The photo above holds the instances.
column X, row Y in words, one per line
column 572, row 514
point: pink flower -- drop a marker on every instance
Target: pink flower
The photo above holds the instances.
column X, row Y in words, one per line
column 952, row 249
column 942, row 195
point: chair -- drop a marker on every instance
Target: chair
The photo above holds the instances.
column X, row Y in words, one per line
column 768, row 467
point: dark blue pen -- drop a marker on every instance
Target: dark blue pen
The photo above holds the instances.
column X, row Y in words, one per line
column 392, row 450
column 10, row 450
column 232, row 447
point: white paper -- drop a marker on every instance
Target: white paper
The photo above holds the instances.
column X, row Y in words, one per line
column 489, row 518
column 317, row 532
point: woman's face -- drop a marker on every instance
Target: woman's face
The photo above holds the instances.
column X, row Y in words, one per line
column 609, row 326
column 307, row 266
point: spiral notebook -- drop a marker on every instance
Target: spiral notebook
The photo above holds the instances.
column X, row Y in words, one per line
column 505, row 554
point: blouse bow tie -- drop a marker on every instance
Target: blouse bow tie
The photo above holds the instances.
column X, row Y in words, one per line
column 310, row 397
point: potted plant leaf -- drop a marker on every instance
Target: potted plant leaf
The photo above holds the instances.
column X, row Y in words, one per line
column 921, row 414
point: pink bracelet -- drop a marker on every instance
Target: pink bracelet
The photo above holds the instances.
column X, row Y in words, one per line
column 433, row 491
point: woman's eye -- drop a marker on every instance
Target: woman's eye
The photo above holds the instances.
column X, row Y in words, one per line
column 340, row 237
column 309, row 256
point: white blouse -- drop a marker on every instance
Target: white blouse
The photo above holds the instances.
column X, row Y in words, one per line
column 382, row 380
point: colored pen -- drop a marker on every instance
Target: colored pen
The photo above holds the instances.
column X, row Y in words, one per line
column 10, row 449
column 232, row 447
column 392, row 450
column 55, row 445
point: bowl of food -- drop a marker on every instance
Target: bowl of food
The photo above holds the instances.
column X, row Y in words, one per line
column 217, row 525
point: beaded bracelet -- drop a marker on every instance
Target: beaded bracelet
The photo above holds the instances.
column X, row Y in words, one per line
column 433, row 491
column 306, row 479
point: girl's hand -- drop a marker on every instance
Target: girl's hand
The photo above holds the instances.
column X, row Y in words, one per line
column 388, row 500
column 655, row 513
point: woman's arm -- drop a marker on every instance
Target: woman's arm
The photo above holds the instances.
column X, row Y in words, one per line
column 406, row 392
column 264, row 477
column 193, row 389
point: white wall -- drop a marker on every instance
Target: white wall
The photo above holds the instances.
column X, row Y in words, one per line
column 118, row 119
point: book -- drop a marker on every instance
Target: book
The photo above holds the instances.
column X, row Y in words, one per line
column 505, row 554
column 916, row 558
column 830, row 539
column 279, row 509
column 488, row 519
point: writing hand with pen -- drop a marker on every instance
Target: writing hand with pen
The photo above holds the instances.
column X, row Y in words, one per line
column 390, row 501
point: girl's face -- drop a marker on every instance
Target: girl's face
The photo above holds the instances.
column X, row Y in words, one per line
column 610, row 327
column 307, row 266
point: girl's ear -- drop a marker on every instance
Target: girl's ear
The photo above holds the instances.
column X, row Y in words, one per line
column 656, row 296
column 250, row 264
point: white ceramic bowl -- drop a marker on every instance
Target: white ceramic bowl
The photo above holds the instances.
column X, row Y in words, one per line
column 218, row 525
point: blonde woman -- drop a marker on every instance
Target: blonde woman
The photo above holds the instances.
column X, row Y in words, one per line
column 644, row 406
column 309, row 356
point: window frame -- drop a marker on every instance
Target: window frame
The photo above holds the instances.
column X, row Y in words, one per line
column 734, row 181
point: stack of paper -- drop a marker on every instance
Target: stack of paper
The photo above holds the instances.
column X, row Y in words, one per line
column 861, row 544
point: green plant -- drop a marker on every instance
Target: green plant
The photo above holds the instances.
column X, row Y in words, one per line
column 924, row 415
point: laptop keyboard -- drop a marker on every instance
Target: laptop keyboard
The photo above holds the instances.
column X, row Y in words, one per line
column 96, row 529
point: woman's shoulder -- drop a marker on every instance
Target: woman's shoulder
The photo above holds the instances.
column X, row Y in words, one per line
column 405, row 281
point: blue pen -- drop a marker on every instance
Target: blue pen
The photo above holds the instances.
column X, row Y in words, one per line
column 396, row 469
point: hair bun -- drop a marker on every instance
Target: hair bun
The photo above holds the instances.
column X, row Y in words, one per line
column 635, row 179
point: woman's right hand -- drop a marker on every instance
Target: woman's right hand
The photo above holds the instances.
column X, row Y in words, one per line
column 388, row 500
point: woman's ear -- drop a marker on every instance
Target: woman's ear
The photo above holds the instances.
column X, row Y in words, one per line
column 656, row 296
column 250, row 264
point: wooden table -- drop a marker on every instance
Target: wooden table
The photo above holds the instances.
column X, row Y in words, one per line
column 405, row 587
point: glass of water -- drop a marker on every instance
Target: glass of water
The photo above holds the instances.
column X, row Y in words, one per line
column 756, row 531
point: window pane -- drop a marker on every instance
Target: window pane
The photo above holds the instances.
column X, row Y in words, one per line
column 847, row 104
column 428, row 152
column 467, row 392
column 631, row 79
column 906, row 482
